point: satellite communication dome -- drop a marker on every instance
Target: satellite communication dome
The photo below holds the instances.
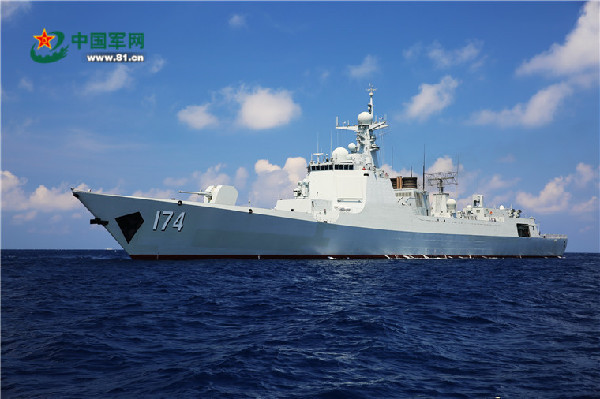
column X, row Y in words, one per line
column 352, row 147
column 365, row 118
column 451, row 205
column 340, row 154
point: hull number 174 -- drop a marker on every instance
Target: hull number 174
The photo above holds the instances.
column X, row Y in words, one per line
column 177, row 224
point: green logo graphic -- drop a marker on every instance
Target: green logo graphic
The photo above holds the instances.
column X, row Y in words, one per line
column 44, row 41
column 95, row 41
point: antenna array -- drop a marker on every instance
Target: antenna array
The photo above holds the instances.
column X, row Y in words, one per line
column 440, row 179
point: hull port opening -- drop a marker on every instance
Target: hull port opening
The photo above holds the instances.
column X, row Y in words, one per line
column 523, row 230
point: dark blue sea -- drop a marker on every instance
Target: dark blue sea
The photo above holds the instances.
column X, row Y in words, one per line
column 81, row 324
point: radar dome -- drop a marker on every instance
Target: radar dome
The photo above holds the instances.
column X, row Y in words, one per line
column 352, row 147
column 365, row 118
column 451, row 204
column 340, row 154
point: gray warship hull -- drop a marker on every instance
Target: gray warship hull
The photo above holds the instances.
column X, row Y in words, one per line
column 170, row 229
column 346, row 207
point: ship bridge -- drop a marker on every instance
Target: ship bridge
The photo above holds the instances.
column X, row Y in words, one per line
column 343, row 181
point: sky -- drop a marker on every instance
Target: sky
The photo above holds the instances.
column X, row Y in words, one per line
column 243, row 93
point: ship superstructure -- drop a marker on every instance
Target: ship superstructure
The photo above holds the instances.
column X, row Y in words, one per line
column 346, row 207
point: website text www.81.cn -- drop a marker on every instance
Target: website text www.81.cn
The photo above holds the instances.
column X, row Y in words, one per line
column 115, row 57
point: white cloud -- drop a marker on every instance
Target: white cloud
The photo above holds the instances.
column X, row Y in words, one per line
column 13, row 196
column 413, row 51
column 442, row 164
column 237, row 21
column 259, row 108
column 197, row 117
column 578, row 53
column 576, row 61
column 274, row 182
column 263, row 165
column 296, row 169
column 42, row 199
column 447, row 58
column 26, row 84
column 53, row 199
column 266, row 108
column 21, row 218
column 584, row 174
column 432, row 98
column 366, row 69
column 212, row 176
column 539, row 110
column 121, row 76
column 241, row 178
column 588, row 206
column 157, row 63
column 443, row 58
column 149, row 100
column 114, row 80
column 12, row 8
column 584, row 80
column 393, row 173
column 496, row 189
column 554, row 197
column 497, row 182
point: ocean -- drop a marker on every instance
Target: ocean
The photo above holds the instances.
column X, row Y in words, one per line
column 97, row 324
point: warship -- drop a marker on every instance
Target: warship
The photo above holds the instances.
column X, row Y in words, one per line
column 346, row 207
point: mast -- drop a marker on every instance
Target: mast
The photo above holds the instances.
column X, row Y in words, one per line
column 371, row 90
column 423, row 168
column 365, row 128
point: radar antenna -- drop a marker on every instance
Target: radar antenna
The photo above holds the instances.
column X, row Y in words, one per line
column 371, row 90
column 440, row 179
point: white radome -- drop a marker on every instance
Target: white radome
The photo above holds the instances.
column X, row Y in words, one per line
column 365, row 118
column 340, row 154
column 451, row 204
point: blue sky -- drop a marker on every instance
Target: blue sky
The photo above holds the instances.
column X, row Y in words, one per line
column 243, row 93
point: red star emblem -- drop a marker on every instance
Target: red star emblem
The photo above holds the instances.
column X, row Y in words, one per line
column 44, row 40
